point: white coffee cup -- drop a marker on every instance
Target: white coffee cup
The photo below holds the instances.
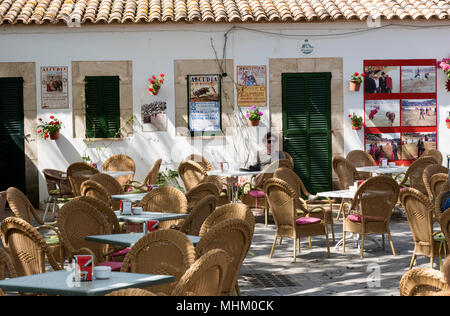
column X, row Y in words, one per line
column 102, row 272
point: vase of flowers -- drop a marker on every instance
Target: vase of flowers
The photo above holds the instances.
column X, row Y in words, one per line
column 155, row 84
column 356, row 121
column 49, row 129
column 355, row 81
column 254, row 115
column 444, row 64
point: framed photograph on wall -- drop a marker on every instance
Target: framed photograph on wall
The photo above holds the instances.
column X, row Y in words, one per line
column 419, row 112
column 385, row 145
column 251, row 86
column 382, row 113
column 415, row 144
column 54, row 87
column 418, row 79
column 381, row 79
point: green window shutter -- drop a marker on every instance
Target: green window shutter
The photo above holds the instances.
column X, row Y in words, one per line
column 102, row 106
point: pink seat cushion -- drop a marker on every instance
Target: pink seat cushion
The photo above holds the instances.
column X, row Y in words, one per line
column 307, row 220
column 115, row 266
column 256, row 193
column 354, row 217
column 121, row 252
column 357, row 218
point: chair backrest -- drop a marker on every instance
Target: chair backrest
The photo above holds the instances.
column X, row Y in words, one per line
column 21, row 206
column 415, row 173
column 360, row 158
column 96, row 190
column 75, row 174
column 131, row 292
column 56, row 180
column 422, row 282
column 77, row 220
column 198, row 192
column 345, row 172
column 206, row 276
column 436, row 154
column 428, row 172
column 216, row 180
column 445, row 226
column 202, row 161
column 292, row 179
column 289, row 157
column 164, row 199
column 191, row 173
column 233, row 236
column 418, row 209
column 197, row 216
column 166, row 252
column 438, row 204
column 281, row 198
column 27, row 249
column 438, row 183
column 120, row 162
column 377, row 197
column 105, row 209
column 270, row 169
column 6, row 266
column 109, row 183
column 152, row 175
column 228, row 211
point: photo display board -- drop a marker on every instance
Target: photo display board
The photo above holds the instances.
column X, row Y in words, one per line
column 400, row 108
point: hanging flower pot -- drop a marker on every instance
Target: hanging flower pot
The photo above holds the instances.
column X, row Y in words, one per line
column 155, row 84
column 254, row 115
column 54, row 135
column 447, row 121
column 355, row 81
column 49, row 129
column 254, row 122
column 354, row 86
column 357, row 121
column 153, row 91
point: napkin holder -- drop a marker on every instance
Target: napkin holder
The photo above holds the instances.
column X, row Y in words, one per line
column 83, row 268
column 125, row 207
column 383, row 163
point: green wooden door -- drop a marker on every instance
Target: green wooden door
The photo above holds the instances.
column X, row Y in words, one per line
column 307, row 127
column 12, row 156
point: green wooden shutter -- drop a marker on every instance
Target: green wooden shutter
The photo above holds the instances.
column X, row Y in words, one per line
column 102, row 106
column 307, row 127
column 12, row 157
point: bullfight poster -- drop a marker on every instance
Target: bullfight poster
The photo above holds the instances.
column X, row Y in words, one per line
column 251, row 86
column 204, row 105
column 54, row 88
column 400, row 108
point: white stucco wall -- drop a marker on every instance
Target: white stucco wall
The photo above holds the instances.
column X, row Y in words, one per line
column 153, row 49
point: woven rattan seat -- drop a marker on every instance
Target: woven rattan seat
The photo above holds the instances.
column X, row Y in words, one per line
column 233, row 236
column 422, row 282
column 191, row 173
column 193, row 223
column 360, row 158
column 120, row 162
column 165, row 252
column 415, row 174
column 206, row 275
column 289, row 157
column 438, row 183
column 96, row 190
column 110, row 184
column 345, row 172
column 76, row 173
column 428, row 173
column 131, row 292
column 57, row 183
column 6, row 266
column 282, row 200
column 150, row 179
column 198, row 192
column 202, row 161
column 437, row 212
column 436, row 154
column 445, row 228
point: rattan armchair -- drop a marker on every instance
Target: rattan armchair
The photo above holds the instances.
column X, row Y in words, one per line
column 222, row 188
column 436, row 154
column 415, row 174
column 165, row 199
column 428, row 173
column 166, row 252
column 289, row 157
column 58, row 188
column 150, row 179
column 444, row 222
column 110, row 184
column 376, row 199
column 191, row 173
column 438, row 183
column 233, row 236
column 131, row 292
column 360, row 158
column 437, row 211
column 96, row 190
column 198, row 192
column 419, row 212
column 6, row 266
column 200, row 160
column 346, row 174
column 27, row 249
column 76, row 173
column 326, row 210
column 283, row 202
column 193, row 223
column 206, row 275
column 120, row 162
column 423, row 282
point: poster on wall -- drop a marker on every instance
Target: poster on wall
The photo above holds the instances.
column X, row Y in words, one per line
column 251, row 86
column 418, row 79
column 421, row 112
column 54, row 88
column 154, row 116
column 386, row 145
column 204, row 105
column 415, row 144
column 382, row 113
column 382, row 79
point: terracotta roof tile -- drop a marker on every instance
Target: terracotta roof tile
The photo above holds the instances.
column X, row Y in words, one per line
column 135, row 11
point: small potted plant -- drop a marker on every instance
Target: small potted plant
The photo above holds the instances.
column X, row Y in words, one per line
column 357, row 121
column 254, row 115
column 155, row 84
column 355, row 81
column 444, row 64
column 49, row 129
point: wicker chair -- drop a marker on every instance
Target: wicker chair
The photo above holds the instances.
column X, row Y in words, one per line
column 423, row 282
column 22, row 208
column 289, row 157
column 233, row 236
column 429, row 172
column 228, row 211
column 198, row 192
column 415, row 174
column 445, row 227
column 76, row 221
column 438, row 183
column 360, row 158
column 191, row 173
column 283, row 201
column 96, row 190
column 193, row 223
column 437, row 212
column 376, row 199
column 111, row 185
column 325, row 213
column 166, row 252
column 58, row 187
column 120, row 162
column 150, row 178
column 76, row 173
column 26, row 247
column 436, row 154
column 131, row 292
column 6, row 266
column 165, row 199
column 346, row 174
column 206, row 276
column 418, row 209
column 202, row 161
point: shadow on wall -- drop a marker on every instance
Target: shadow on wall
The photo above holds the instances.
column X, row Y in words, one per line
column 69, row 152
